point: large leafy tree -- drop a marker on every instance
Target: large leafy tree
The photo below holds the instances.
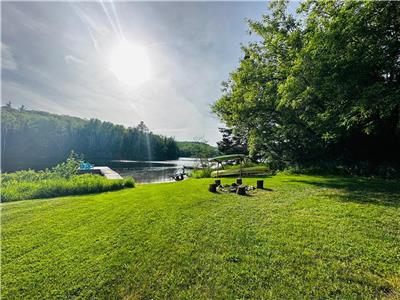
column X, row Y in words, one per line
column 323, row 84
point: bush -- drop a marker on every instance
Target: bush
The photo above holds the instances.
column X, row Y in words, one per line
column 201, row 173
column 54, row 187
column 26, row 176
column 129, row 182
column 364, row 169
column 69, row 168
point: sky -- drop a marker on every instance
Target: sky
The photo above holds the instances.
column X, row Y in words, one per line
column 57, row 57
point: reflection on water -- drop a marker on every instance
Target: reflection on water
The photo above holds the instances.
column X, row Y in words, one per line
column 150, row 171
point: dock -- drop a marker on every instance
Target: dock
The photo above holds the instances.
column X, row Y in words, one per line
column 108, row 173
column 103, row 171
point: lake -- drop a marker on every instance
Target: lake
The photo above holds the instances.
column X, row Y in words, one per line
column 150, row 171
column 142, row 171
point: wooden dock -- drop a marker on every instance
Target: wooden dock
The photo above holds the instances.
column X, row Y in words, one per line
column 103, row 171
column 108, row 173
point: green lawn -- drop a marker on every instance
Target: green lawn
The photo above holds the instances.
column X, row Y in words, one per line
column 307, row 237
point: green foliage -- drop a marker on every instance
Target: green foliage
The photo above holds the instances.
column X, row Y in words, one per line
column 322, row 85
column 248, row 167
column 256, row 170
column 233, row 142
column 201, row 150
column 246, row 164
column 196, row 149
column 201, row 173
column 129, row 182
column 61, row 180
column 26, row 175
column 30, row 138
column 56, row 187
column 356, row 169
column 63, row 170
column 69, row 168
column 309, row 238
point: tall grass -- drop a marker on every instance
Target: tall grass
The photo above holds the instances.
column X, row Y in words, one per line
column 201, row 173
column 61, row 180
column 12, row 190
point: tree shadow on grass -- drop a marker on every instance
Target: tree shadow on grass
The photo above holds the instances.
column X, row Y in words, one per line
column 360, row 190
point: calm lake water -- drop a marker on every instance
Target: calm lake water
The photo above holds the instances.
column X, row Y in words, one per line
column 150, row 171
column 142, row 171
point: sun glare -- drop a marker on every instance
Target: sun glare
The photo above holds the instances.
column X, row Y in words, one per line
column 130, row 64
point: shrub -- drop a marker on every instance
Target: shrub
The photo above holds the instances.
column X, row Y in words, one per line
column 246, row 164
column 201, row 173
column 26, row 176
column 69, row 168
column 356, row 169
column 129, row 182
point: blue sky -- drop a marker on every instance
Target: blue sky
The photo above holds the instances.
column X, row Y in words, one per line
column 55, row 57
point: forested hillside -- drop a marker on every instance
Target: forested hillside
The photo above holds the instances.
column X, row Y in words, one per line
column 196, row 149
column 34, row 138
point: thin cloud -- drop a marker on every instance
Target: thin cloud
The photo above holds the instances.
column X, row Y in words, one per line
column 70, row 59
column 8, row 61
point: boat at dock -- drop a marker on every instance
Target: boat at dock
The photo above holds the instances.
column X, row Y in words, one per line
column 103, row 171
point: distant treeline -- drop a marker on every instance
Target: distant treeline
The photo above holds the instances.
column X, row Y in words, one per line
column 196, row 149
column 34, row 138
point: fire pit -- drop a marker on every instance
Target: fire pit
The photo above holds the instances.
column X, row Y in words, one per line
column 237, row 187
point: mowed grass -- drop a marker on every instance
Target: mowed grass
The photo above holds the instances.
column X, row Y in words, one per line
column 306, row 237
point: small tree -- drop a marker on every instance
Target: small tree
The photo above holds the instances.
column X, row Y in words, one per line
column 70, row 167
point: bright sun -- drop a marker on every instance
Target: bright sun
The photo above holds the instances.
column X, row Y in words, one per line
column 130, row 64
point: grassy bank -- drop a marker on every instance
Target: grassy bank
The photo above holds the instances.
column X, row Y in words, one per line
column 60, row 180
column 13, row 190
column 307, row 237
